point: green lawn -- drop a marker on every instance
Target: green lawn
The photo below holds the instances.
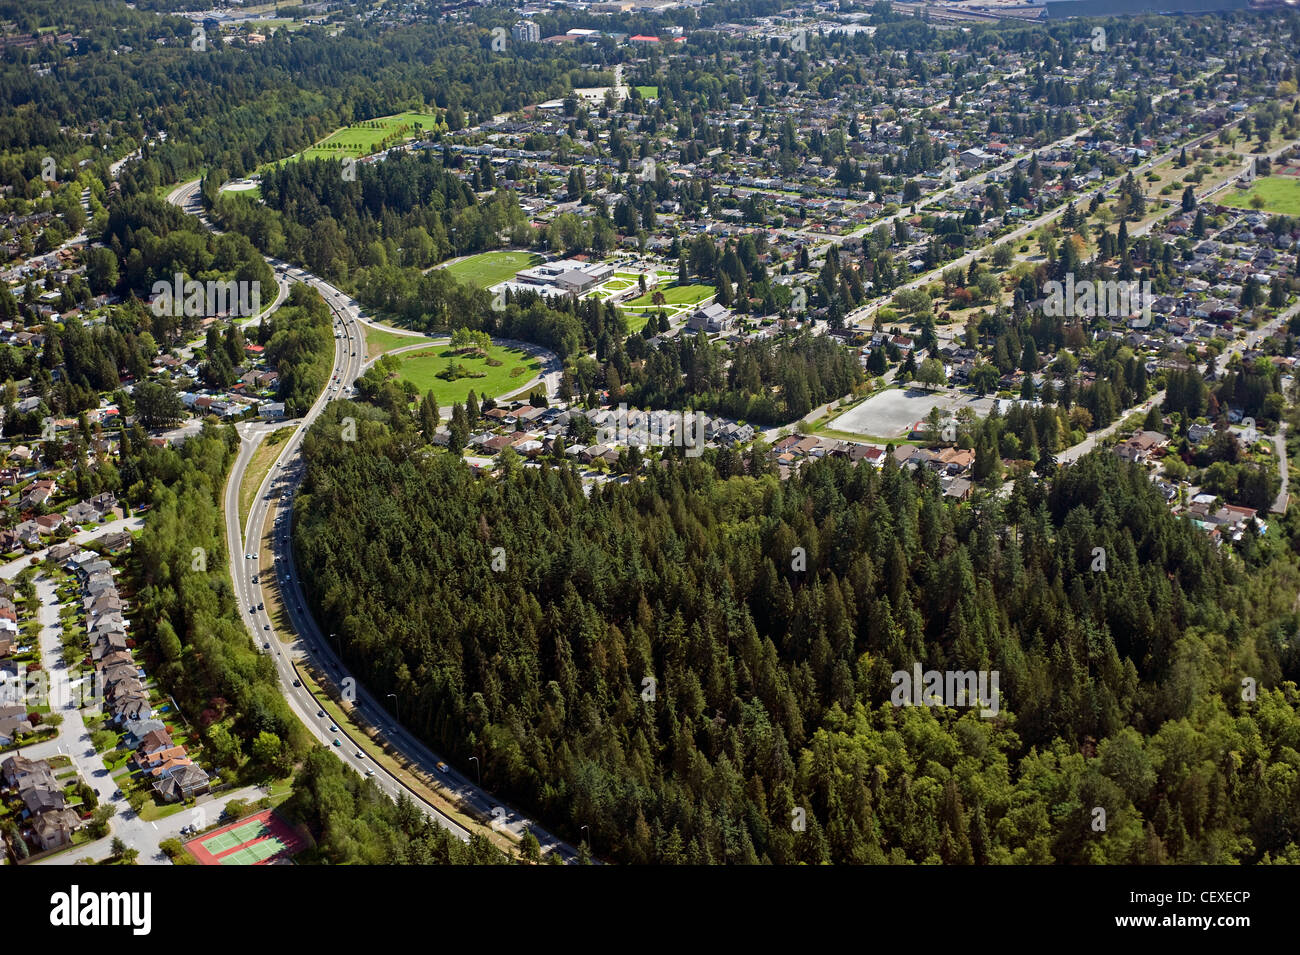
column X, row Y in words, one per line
column 488, row 268
column 648, row 92
column 421, row 368
column 636, row 320
column 1281, row 194
column 378, row 342
column 674, row 295
column 360, row 139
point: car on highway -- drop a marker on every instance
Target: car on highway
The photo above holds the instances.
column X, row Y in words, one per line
column 320, row 712
column 260, row 606
column 443, row 768
column 266, row 646
column 266, row 626
column 333, row 728
column 370, row 772
column 360, row 755
column 295, row 682
column 248, row 557
column 337, row 743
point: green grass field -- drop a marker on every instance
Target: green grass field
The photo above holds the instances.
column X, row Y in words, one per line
column 1281, row 194
column 378, row 342
column 360, row 139
column 421, row 368
column 674, row 295
column 488, row 268
column 648, row 92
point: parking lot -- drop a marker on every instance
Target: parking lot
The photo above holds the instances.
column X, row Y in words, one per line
column 892, row 413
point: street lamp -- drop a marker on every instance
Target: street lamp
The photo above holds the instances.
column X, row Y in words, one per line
column 587, row 839
column 396, row 713
column 479, row 767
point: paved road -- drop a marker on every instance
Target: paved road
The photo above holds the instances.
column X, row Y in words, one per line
column 10, row 570
column 73, row 741
column 308, row 643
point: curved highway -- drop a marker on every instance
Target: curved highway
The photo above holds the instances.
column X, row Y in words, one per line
column 308, row 643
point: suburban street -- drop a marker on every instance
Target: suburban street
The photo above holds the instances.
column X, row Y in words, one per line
column 73, row 741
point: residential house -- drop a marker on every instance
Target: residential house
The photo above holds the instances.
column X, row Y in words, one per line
column 1140, row 447
column 186, row 783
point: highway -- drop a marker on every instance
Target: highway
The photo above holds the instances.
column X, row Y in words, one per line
column 307, row 643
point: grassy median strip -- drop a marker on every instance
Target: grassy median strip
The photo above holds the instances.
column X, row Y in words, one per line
column 260, row 464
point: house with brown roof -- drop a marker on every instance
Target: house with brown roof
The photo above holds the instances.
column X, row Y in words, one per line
column 1141, row 446
column 54, row 829
column 154, row 741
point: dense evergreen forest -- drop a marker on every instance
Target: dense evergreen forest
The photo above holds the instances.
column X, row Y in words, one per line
column 356, row 823
column 763, row 382
column 1120, row 688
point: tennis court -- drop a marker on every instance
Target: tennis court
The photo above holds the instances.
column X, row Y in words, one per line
column 257, row 840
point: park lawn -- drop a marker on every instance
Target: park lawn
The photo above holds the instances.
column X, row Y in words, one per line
column 648, row 92
column 674, row 295
column 262, row 459
column 637, row 320
column 360, row 139
column 490, row 268
column 421, row 368
column 378, row 342
column 1281, row 194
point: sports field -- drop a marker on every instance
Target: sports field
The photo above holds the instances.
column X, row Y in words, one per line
column 674, row 294
column 1281, row 194
column 259, row 839
column 489, row 268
